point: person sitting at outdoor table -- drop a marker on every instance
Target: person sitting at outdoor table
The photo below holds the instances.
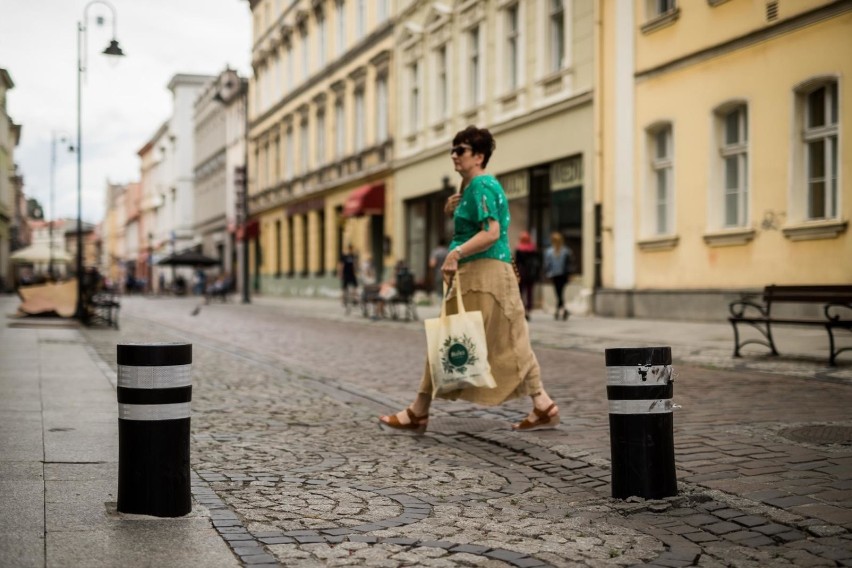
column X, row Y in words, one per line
column 388, row 290
column 219, row 287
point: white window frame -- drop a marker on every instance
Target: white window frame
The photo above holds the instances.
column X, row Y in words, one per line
column 734, row 209
column 442, row 83
column 321, row 137
column 291, row 68
column 826, row 133
column 657, row 8
column 414, row 96
column 304, row 147
column 341, row 27
column 556, row 36
column 382, row 10
column 360, row 19
column 277, row 91
column 381, row 108
column 513, row 45
column 660, row 198
column 322, row 37
column 473, row 38
column 339, row 128
column 289, row 157
column 360, row 119
column 306, row 62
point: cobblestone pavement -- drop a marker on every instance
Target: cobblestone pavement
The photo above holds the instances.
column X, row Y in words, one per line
column 294, row 471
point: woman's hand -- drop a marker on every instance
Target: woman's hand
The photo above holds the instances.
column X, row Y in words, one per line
column 452, row 203
column 450, row 266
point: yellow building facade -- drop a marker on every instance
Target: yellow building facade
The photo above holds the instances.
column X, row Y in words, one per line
column 719, row 133
column 320, row 149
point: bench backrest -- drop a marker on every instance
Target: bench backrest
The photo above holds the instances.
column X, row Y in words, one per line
column 819, row 294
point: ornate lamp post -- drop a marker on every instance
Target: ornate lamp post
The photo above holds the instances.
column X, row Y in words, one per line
column 62, row 138
column 241, row 187
column 114, row 50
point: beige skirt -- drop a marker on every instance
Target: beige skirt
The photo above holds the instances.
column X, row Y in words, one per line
column 490, row 286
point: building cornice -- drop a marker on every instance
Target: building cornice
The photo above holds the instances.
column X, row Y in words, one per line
column 584, row 98
column 770, row 32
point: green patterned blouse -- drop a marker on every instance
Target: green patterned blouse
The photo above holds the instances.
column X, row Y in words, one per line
column 483, row 200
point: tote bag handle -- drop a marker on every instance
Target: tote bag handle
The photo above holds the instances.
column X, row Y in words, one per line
column 456, row 285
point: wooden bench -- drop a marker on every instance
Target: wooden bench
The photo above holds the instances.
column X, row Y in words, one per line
column 103, row 309
column 836, row 302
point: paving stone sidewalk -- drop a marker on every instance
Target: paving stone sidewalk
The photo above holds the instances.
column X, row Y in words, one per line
column 294, row 471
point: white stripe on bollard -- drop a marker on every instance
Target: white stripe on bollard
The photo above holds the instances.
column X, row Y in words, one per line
column 154, row 411
column 162, row 377
column 659, row 406
column 638, row 375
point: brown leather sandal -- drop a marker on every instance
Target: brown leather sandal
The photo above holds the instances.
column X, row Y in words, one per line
column 545, row 420
column 415, row 427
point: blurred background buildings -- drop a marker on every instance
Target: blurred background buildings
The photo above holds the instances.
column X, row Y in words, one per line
column 687, row 151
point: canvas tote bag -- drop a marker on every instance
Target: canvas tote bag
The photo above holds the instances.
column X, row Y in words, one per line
column 458, row 354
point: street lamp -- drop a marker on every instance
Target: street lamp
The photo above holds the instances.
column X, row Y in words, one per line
column 62, row 138
column 244, row 201
column 241, row 185
column 114, row 50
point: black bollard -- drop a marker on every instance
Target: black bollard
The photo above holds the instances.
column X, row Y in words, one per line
column 639, row 389
column 154, row 394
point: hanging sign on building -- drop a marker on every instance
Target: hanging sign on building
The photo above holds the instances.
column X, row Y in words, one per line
column 515, row 184
column 566, row 173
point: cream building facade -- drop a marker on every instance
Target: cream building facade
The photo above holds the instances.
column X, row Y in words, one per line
column 720, row 130
column 154, row 168
column 320, row 146
column 214, row 166
column 112, row 234
column 524, row 70
column 10, row 134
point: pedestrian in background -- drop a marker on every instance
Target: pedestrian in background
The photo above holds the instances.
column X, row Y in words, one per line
column 529, row 269
column 436, row 261
column 481, row 254
column 557, row 267
column 346, row 268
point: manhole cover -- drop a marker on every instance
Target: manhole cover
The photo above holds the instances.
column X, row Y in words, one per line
column 820, row 434
column 462, row 425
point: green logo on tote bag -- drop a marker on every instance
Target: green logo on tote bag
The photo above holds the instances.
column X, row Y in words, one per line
column 457, row 353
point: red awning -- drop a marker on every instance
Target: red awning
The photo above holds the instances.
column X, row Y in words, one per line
column 248, row 231
column 366, row 200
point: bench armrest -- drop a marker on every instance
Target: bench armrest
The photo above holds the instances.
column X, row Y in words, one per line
column 833, row 310
column 739, row 308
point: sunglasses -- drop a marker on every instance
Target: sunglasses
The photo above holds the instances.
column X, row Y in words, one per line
column 459, row 150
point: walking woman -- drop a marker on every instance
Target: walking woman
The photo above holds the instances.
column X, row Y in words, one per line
column 557, row 267
column 480, row 254
column 527, row 260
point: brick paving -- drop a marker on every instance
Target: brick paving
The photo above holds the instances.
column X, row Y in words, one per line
column 291, row 466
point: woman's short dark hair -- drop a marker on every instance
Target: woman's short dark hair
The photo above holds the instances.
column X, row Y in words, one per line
column 479, row 139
